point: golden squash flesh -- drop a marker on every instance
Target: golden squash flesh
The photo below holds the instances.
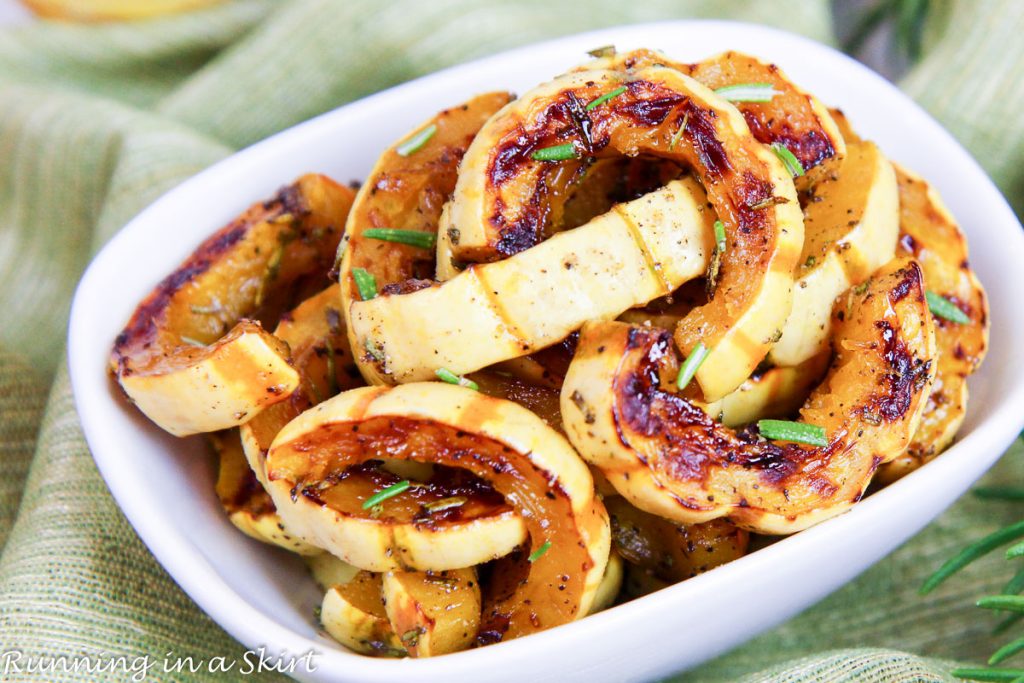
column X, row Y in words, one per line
column 530, row 464
column 503, row 310
column 791, row 116
column 499, row 205
column 247, row 505
column 930, row 234
column 484, row 527
column 433, row 613
column 189, row 358
column 672, row 552
column 406, row 191
column 353, row 614
column 851, row 220
column 668, row 457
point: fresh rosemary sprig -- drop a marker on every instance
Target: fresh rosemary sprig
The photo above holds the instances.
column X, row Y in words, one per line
column 1008, row 600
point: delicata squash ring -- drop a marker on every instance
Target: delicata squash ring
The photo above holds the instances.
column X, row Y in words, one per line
column 851, row 221
column 401, row 532
column 533, row 466
column 791, row 116
column 174, row 360
column 669, row 458
column 500, row 202
column 406, row 191
column 930, row 234
column 493, row 312
column 247, row 505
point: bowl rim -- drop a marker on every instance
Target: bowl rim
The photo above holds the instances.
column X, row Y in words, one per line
column 234, row 613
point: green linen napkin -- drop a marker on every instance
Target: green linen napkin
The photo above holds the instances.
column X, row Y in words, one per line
column 96, row 122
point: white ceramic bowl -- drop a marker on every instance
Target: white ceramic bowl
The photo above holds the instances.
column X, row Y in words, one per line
column 263, row 597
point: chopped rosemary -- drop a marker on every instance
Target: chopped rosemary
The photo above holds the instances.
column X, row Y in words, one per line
column 366, row 283
column 788, row 160
column 689, row 367
column 384, row 494
column 766, row 202
column 800, row 432
column 446, row 375
column 556, row 153
column 747, row 92
column 445, row 504
column 604, row 98
column 944, row 308
column 192, row 342
column 415, row 142
column 374, row 350
column 539, row 552
column 603, row 51
column 415, row 238
column 679, row 133
column 720, row 236
column 411, row 638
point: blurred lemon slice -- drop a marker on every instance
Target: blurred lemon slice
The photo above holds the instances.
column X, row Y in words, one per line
column 111, row 10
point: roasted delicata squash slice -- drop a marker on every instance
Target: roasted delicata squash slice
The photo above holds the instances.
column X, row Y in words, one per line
column 540, row 399
column 411, row 527
column 930, row 234
column 770, row 392
column 611, row 584
column 498, row 311
column 451, row 520
column 247, row 505
column 353, row 613
column 433, row 613
column 419, row 614
column 500, row 201
column 315, row 334
column 497, row 441
column 774, row 392
column 327, row 570
column 776, row 109
column 851, row 220
column 400, row 203
column 668, row 457
column 189, row 358
column 672, row 552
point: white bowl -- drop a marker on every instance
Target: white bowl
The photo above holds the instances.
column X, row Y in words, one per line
column 263, row 597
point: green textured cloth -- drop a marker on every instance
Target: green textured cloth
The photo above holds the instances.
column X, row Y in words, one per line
column 96, row 122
